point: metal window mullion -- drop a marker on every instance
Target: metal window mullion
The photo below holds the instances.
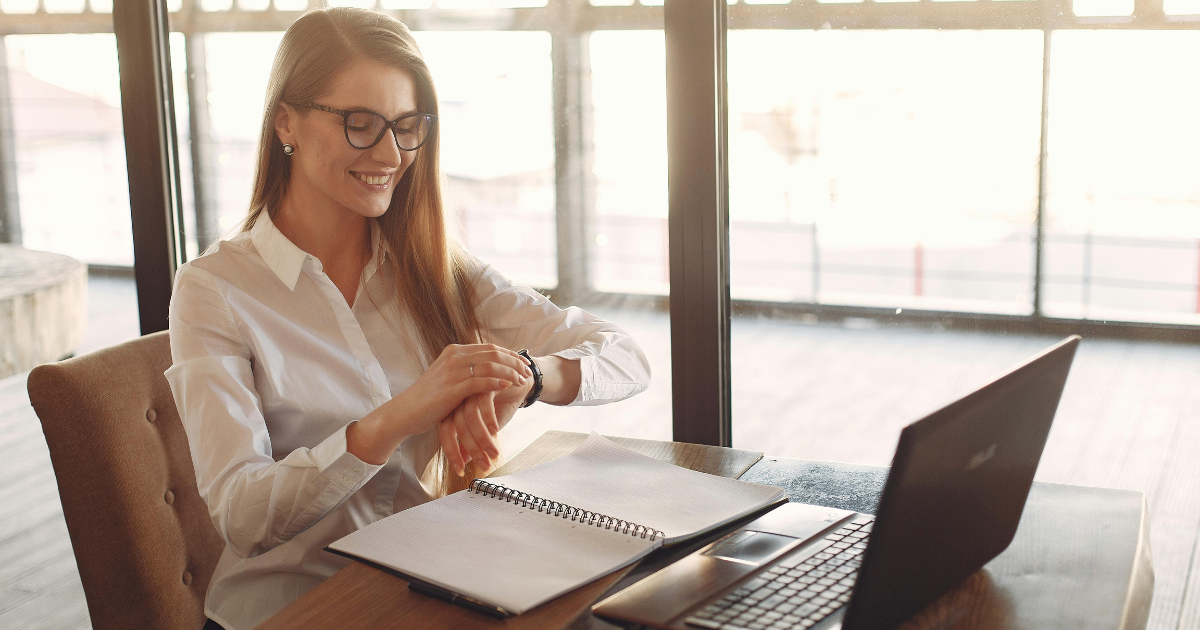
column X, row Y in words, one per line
column 204, row 179
column 10, row 210
column 574, row 189
column 151, row 153
column 1039, row 247
column 698, row 219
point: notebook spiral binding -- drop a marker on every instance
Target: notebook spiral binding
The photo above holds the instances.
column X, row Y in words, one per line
column 524, row 499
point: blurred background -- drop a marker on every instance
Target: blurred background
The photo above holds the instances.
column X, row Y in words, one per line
column 896, row 169
column 892, row 168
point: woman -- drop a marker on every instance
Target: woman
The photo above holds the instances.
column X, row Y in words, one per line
column 339, row 360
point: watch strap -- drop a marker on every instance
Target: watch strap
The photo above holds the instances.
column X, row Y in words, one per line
column 536, row 392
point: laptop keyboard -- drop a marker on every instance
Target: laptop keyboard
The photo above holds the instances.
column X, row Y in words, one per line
column 793, row 594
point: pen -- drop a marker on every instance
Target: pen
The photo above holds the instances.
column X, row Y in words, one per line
column 460, row 600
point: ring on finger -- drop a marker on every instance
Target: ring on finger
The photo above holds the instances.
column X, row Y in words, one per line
column 472, row 369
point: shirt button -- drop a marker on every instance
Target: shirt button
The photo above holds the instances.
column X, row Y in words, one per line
column 346, row 479
column 357, row 470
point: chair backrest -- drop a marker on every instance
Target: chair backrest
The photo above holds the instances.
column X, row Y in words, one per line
column 142, row 536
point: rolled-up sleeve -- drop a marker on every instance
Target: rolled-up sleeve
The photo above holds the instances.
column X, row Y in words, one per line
column 612, row 365
column 255, row 502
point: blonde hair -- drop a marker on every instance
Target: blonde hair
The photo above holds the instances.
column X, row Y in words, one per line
column 433, row 280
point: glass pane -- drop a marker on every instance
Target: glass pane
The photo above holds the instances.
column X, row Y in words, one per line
column 630, row 242
column 63, row 6
column 1123, row 215
column 237, row 67
column 897, row 169
column 71, row 188
column 627, row 236
column 1181, row 7
column 498, row 146
column 1096, row 8
column 66, row 96
column 893, row 169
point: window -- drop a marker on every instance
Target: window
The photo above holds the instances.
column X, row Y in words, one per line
column 1123, row 213
column 69, row 146
column 885, row 168
column 64, row 97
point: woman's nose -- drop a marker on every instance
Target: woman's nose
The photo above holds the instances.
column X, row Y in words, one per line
column 386, row 151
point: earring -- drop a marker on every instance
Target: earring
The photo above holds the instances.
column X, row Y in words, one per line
column 288, row 149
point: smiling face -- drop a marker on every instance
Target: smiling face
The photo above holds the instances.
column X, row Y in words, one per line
column 326, row 170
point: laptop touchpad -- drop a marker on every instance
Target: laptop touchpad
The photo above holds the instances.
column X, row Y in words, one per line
column 749, row 547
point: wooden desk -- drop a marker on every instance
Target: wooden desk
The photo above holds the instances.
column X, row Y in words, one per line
column 1081, row 557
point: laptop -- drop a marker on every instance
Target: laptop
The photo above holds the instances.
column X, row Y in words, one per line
column 951, row 503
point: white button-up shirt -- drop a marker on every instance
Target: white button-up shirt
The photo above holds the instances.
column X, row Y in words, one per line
column 270, row 365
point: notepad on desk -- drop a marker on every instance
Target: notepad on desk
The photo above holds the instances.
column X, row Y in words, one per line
column 514, row 542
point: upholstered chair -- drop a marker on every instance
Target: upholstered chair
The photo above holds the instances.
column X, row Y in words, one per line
column 142, row 537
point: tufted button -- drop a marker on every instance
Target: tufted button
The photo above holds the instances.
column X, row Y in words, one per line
column 187, row 578
column 169, row 497
column 151, row 415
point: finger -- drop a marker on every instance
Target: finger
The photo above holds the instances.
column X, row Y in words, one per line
column 473, row 424
column 478, row 385
column 479, row 428
column 502, row 356
column 454, row 353
column 448, row 437
column 455, row 350
column 473, row 451
column 497, row 370
column 488, row 407
column 457, row 421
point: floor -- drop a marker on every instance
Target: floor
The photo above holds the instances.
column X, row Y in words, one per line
column 1130, row 418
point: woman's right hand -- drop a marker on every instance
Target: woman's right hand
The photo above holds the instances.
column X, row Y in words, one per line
column 459, row 372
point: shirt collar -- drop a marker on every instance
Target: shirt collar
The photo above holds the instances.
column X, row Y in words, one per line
column 286, row 260
column 280, row 254
column 379, row 251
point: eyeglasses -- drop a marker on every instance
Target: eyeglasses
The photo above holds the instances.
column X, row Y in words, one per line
column 364, row 128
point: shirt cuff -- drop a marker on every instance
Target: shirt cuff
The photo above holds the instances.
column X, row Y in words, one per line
column 587, row 376
column 341, row 467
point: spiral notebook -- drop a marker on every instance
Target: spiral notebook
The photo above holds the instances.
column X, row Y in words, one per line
column 511, row 543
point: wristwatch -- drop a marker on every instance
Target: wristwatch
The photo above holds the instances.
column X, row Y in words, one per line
column 536, row 392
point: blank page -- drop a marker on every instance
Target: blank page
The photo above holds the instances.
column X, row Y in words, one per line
column 602, row 477
column 492, row 550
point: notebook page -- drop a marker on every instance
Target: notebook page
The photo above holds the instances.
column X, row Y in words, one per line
column 602, row 477
column 492, row 550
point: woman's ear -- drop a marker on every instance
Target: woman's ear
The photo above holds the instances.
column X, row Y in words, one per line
column 284, row 123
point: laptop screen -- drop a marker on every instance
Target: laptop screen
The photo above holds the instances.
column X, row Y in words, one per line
column 956, row 491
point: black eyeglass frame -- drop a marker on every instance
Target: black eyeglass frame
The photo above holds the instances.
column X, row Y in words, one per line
column 390, row 124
